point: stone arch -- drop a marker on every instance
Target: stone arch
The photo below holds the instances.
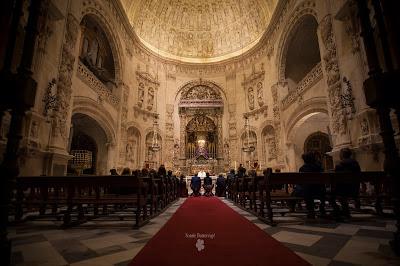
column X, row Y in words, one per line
column 304, row 10
column 104, row 22
column 307, row 108
column 96, row 111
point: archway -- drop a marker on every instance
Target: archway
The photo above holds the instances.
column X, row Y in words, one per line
column 320, row 145
column 88, row 135
column 300, row 53
column 305, row 125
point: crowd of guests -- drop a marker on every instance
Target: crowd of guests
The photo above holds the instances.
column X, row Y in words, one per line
column 162, row 173
column 309, row 192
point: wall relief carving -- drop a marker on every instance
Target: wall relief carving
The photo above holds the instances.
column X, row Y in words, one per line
column 65, row 75
column 146, row 93
column 331, row 66
column 254, row 90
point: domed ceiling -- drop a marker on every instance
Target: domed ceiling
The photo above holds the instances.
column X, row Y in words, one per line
column 199, row 30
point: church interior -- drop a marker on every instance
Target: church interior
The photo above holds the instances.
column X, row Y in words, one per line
column 209, row 132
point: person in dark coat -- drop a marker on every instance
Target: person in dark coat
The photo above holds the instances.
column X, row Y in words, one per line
column 208, row 185
column 311, row 191
column 182, row 187
column 221, row 186
column 195, row 185
column 345, row 191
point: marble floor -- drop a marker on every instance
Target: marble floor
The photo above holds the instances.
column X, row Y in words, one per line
column 363, row 241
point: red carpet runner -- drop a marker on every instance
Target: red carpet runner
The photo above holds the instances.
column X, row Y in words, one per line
column 229, row 239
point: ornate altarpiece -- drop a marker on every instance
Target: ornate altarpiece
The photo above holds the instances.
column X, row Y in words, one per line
column 201, row 141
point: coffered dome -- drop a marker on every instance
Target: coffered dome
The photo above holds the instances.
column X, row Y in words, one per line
column 199, row 30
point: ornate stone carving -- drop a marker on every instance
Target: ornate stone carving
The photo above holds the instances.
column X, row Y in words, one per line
column 200, row 123
column 65, row 75
column 254, row 88
column 260, row 94
column 276, row 111
column 200, row 93
column 140, row 94
column 123, row 130
column 147, row 90
column 250, row 98
column 331, row 66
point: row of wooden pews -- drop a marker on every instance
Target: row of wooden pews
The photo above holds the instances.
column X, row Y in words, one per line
column 260, row 195
column 77, row 199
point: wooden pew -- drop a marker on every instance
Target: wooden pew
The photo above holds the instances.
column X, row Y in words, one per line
column 71, row 193
column 270, row 179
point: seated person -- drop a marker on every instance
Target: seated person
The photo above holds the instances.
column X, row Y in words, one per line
column 195, row 185
column 310, row 191
column 208, row 185
column 221, row 186
column 345, row 191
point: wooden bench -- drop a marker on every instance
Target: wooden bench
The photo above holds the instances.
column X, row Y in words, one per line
column 65, row 195
column 265, row 196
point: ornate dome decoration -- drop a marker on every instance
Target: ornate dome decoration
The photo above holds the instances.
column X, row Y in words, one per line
column 199, row 31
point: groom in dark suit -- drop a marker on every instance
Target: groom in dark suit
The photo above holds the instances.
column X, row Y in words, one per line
column 195, row 185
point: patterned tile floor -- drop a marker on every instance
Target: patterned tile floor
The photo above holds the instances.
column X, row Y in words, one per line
column 361, row 242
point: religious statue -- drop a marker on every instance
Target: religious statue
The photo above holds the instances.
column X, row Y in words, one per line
column 250, row 96
column 260, row 94
column 140, row 94
column 150, row 99
column 201, row 150
column 129, row 152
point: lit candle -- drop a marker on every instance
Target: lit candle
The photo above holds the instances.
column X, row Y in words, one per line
column 235, row 166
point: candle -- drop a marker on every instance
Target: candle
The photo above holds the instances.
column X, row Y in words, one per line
column 235, row 166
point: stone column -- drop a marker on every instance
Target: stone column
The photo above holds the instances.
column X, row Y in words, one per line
column 336, row 105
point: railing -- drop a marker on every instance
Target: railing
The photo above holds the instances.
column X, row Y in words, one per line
column 94, row 83
column 307, row 82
